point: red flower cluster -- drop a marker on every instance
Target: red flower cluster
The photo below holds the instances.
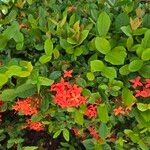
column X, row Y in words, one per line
column 37, row 126
column 143, row 87
column 67, row 95
column 91, row 111
column 94, row 133
column 25, row 106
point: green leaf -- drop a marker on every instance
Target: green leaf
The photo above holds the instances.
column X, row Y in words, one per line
column 145, row 71
column 146, row 20
column 96, row 65
column 55, row 75
column 84, row 35
column 129, row 43
column 30, row 148
column 109, row 72
column 124, row 70
column 3, row 79
column 11, row 30
column 8, row 95
column 103, row 113
column 126, row 30
column 78, row 51
column 135, row 65
column 102, row 45
column 139, row 51
column 81, row 82
column 66, row 134
column 142, row 107
column 57, row 134
column 103, row 130
column 146, row 54
column 146, row 39
column 127, row 96
column 45, row 81
column 79, row 117
column 13, row 71
column 48, row 46
column 3, row 42
column 103, row 24
column 116, row 56
column 136, row 139
column 44, row 105
column 25, row 90
column 121, row 20
column 90, row 76
column 44, row 59
column 88, row 144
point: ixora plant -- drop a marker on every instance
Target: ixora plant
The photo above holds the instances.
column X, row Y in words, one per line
column 74, row 74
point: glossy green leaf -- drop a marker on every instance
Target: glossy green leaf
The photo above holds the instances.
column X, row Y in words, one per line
column 25, row 90
column 78, row 118
column 142, row 107
column 103, row 130
column 3, row 79
column 84, row 35
column 57, row 134
column 45, row 81
column 126, row 30
column 129, row 43
column 135, row 65
column 102, row 45
column 45, row 58
column 30, row 148
column 127, row 96
column 124, row 70
column 109, row 72
column 81, row 82
column 66, row 134
column 96, row 65
column 116, row 56
column 90, row 76
column 48, row 46
column 146, row 54
column 8, row 95
column 146, row 39
column 103, row 113
column 121, row 20
column 103, row 24
column 145, row 71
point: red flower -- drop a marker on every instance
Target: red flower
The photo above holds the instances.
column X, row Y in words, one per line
column 136, row 82
column 76, row 132
column 68, row 73
column 67, row 95
column 119, row 111
column 37, row 126
column 143, row 93
column 25, row 106
column 147, row 83
column 1, row 103
column 138, row 93
column 91, row 111
column 94, row 133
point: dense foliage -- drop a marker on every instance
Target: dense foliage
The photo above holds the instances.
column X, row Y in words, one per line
column 78, row 70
